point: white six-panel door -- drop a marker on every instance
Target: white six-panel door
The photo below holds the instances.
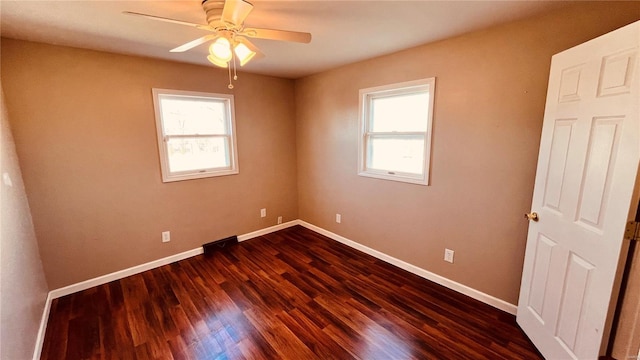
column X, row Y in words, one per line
column 587, row 167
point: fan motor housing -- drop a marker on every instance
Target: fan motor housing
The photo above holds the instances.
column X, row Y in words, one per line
column 213, row 9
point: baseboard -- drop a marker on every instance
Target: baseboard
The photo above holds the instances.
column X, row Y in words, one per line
column 453, row 285
column 43, row 328
column 473, row 293
column 73, row 288
column 268, row 230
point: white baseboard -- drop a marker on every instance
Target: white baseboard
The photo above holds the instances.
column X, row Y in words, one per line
column 268, row 230
column 473, row 293
column 478, row 295
column 43, row 328
column 453, row 285
column 73, row 288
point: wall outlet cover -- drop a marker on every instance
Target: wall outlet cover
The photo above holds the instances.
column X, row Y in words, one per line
column 448, row 255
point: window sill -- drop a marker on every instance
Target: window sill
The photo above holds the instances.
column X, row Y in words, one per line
column 424, row 181
column 191, row 176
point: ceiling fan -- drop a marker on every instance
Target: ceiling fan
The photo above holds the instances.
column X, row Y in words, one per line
column 230, row 43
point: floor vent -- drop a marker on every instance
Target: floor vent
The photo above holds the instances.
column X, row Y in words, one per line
column 214, row 246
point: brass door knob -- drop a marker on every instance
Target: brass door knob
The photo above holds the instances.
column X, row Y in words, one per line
column 532, row 216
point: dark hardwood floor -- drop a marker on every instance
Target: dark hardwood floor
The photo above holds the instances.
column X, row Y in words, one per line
column 293, row 294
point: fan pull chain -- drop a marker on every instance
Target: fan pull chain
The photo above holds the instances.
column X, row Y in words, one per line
column 235, row 58
column 230, row 84
column 235, row 74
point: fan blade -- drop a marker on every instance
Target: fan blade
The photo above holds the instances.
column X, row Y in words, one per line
column 174, row 21
column 236, row 11
column 194, row 43
column 284, row 35
column 250, row 45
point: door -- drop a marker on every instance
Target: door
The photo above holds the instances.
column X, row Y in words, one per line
column 587, row 167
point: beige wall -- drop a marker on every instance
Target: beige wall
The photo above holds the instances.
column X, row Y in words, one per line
column 489, row 102
column 85, row 133
column 23, row 289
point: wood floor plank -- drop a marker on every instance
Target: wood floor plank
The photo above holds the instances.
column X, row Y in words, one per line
column 279, row 337
column 372, row 336
column 311, row 336
column 292, row 294
column 84, row 339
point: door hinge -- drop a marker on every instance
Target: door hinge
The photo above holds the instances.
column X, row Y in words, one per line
column 632, row 231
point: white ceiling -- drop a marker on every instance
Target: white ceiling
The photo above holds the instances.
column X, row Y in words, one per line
column 343, row 31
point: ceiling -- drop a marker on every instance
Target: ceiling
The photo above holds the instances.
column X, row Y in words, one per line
column 343, row 31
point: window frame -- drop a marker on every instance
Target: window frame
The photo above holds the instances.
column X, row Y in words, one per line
column 365, row 135
column 228, row 101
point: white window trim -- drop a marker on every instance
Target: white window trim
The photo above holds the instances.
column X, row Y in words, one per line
column 407, row 87
column 162, row 138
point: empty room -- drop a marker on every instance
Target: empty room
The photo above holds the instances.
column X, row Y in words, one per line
column 320, row 179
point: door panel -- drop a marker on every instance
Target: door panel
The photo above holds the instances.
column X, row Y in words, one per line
column 571, row 309
column 602, row 150
column 587, row 167
column 540, row 276
column 558, row 163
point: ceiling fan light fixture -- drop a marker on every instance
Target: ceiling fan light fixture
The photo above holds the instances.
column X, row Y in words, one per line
column 221, row 49
column 218, row 62
column 230, row 46
column 244, row 53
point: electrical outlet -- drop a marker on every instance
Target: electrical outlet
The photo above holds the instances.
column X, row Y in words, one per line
column 263, row 212
column 338, row 218
column 166, row 236
column 448, row 255
column 279, row 220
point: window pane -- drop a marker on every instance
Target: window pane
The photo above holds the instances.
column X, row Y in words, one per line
column 396, row 154
column 184, row 116
column 197, row 153
column 400, row 112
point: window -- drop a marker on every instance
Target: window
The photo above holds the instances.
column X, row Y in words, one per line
column 196, row 134
column 395, row 131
